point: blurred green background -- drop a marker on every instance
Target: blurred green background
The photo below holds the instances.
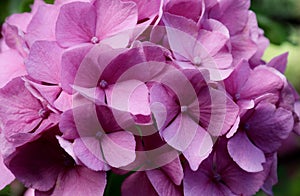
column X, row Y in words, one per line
column 280, row 19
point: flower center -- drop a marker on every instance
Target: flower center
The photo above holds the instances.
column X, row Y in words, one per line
column 103, row 84
column 95, row 40
column 184, row 108
column 44, row 113
column 247, row 126
column 237, row 96
column 197, row 61
column 99, row 135
column 217, row 177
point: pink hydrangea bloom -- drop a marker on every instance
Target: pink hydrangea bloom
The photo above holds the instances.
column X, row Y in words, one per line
column 172, row 94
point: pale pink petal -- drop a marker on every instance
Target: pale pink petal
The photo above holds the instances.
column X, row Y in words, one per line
column 199, row 149
column 88, row 151
column 42, row 25
column 118, row 148
column 174, row 171
column 162, row 184
column 44, row 62
column 11, row 66
column 80, row 181
column 122, row 16
column 76, row 24
column 181, row 132
column 6, row 176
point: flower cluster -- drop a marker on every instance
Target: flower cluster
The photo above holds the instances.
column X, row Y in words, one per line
column 172, row 94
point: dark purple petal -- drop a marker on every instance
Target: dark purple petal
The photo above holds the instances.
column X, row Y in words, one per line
column 37, row 164
column 245, row 154
column 140, row 180
column 268, row 127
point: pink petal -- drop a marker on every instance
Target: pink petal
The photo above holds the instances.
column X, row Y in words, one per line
column 44, row 62
column 131, row 96
column 217, row 112
column 71, row 67
column 14, row 39
column 19, row 111
column 246, row 154
column 76, row 24
column 88, row 151
column 181, row 132
column 147, row 10
column 262, row 80
column 63, row 102
column 118, row 148
column 73, row 181
column 229, row 11
column 11, row 66
column 163, row 106
column 42, row 25
column 162, row 184
column 174, row 171
column 45, row 92
column 6, row 176
column 199, row 149
column 122, row 16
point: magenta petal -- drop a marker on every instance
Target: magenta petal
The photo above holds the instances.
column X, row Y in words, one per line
column 73, row 181
column 140, row 180
column 76, row 24
column 122, row 16
column 44, row 62
column 6, row 176
column 245, row 154
column 162, row 184
column 88, row 151
column 118, row 148
column 199, row 149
